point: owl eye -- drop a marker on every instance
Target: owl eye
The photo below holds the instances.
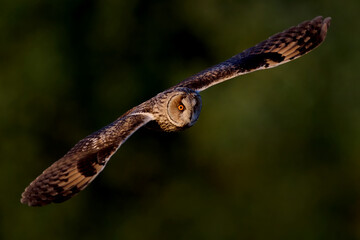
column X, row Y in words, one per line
column 181, row 107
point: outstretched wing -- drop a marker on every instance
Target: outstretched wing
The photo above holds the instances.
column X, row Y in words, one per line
column 82, row 163
column 278, row 49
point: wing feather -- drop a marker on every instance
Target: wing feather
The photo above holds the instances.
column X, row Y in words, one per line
column 74, row 171
column 278, row 49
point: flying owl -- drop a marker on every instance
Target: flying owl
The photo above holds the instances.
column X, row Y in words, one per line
column 174, row 109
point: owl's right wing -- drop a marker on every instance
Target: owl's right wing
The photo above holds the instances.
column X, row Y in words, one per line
column 278, row 49
column 74, row 171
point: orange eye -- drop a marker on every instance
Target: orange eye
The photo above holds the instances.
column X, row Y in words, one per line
column 181, row 107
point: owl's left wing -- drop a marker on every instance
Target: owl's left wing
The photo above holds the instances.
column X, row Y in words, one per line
column 278, row 49
column 74, row 171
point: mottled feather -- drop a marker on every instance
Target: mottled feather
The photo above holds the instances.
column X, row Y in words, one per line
column 278, row 49
column 175, row 109
column 82, row 163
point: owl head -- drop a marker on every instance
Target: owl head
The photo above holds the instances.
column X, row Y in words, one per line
column 180, row 109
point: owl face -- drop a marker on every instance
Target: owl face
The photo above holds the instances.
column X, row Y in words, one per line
column 183, row 109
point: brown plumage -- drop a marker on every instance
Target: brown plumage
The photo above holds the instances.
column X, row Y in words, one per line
column 172, row 110
column 74, row 171
column 278, row 49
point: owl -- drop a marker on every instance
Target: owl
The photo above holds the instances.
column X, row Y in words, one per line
column 174, row 109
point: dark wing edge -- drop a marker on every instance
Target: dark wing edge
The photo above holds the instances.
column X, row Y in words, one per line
column 74, row 171
column 278, row 49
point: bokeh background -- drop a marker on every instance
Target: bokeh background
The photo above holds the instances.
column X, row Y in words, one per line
column 274, row 155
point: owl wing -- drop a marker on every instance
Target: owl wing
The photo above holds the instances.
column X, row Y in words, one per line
column 74, row 171
column 278, row 49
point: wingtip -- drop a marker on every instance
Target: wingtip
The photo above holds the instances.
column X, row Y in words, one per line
column 25, row 200
column 324, row 28
column 28, row 199
column 32, row 203
column 327, row 19
column 326, row 22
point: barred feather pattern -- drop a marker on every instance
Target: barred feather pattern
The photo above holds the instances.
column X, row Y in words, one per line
column 278, row 49
column 174, row 109
column 73, row 172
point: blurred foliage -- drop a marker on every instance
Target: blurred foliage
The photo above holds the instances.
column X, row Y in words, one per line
column 274, row 155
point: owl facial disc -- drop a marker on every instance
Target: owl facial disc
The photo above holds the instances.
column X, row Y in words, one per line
column 183, row 108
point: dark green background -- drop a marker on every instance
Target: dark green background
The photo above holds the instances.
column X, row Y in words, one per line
column 274, row 155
